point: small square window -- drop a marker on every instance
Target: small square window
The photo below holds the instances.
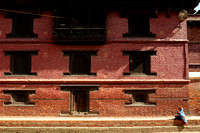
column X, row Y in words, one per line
column 20, row 62
column 140, row 62
column 19, row 97
column 139, row 97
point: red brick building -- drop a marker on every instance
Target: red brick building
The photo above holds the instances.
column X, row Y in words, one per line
column 93, row 58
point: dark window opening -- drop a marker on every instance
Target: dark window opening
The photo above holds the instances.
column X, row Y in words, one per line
column 20, row 62
column 140, row 62
column 80, row 24
column 81, row 17
column 97, row 18
column 22, row 26
column 139, row 97
column 19, row 97
column 80, row 62
column 80, row 101
column 138, row 26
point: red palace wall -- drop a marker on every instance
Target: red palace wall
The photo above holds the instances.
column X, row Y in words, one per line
column 170, row 63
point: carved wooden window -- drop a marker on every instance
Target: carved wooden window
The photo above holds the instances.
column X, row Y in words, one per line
column 140, row 62
column 80, row 62
column 19, row 97
column 139, row 97
column 79, row 101
column 22, row 25
column 20, row 62
column 138, row 26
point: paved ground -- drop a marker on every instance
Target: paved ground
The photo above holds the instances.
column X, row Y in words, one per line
column 37, row 118
column 63, row 129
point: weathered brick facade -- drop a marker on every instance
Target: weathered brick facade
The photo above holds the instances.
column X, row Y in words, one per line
column 171, row 82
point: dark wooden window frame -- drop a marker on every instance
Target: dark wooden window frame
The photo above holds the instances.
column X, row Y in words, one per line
column 80, row 24
column 75, row 88
column 28, row 32
column 12, row 55
column 87, row 54
column 146, row 55
column 140, row 97
column 138, row 25
column 75, row 99
column 19, row 97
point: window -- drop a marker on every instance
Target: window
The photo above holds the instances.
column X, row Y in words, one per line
column 19, row 97
column 20, row 62
column 81, row 17
column 80, row 24
column 139, row 97
column 139, row 62
column 79, row 99
column 22, row 26
column 80, row 62
column 138, row 26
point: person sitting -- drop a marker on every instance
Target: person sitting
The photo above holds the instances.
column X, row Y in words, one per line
column 181, row 115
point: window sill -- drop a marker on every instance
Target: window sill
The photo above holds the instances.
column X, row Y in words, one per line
column 140, row 105
column 19, row 105
column 26, row 40
column 76, row 75
column 140, row 74
column 67, row 113
column 22, row 36
column 139, row 36
column 10, row 74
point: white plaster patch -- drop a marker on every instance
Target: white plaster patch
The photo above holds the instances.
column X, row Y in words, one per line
column 194, row 74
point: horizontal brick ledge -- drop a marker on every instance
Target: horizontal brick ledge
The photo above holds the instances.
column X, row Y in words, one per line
column 136, row 40
column 95, row 81
column 25, row 41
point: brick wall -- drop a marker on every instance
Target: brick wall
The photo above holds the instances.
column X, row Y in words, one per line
column 195, row 97
column 194, row 63
column 169, row 63
column 108, row 100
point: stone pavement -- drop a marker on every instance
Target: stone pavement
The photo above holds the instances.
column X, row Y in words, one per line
column 96, row 124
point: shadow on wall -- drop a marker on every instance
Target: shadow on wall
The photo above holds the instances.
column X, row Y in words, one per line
column 168, row 28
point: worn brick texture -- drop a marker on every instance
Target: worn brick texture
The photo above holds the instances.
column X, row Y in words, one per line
column 195, row 97
column 169, row 64
column 194, row 62
column 108, row 100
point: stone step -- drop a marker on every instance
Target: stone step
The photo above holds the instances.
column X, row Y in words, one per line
column 193, row 129
column 92, row 122
column 97, row 124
